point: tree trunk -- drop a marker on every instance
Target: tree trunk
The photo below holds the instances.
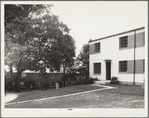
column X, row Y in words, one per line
column 46, row 82
column 17, row 85
column 10, row 66
column 64, row 67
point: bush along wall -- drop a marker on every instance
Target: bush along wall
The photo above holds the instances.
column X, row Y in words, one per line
column 85, row 81
column 114, row 80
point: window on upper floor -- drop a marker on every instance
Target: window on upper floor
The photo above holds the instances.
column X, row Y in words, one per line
column 97, row 47
column 123, row 42
column 122, row 66
column 97, row 68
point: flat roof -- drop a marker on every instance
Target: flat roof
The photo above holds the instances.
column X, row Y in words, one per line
column 117, row 34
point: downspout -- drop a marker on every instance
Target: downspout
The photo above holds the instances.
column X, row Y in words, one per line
column 134, row 58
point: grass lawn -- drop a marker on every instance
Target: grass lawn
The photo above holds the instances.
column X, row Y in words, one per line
column 123, row 96
column 127, row 90
column 31, row 95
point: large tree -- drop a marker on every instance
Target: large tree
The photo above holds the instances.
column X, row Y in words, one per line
column 13, row 11
column 83, row 60
column 36, row 40
column 18, row 30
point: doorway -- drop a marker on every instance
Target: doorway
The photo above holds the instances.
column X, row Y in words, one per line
column 108, row 70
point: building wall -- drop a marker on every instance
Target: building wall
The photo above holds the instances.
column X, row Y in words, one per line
column 110, row 50
column 49, row 81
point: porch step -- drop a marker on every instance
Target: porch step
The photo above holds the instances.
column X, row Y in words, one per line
column 102, row 82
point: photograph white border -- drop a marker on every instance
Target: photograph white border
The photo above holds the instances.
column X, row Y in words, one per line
column 44, row 112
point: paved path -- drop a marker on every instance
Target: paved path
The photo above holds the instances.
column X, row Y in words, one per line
column 9, row 97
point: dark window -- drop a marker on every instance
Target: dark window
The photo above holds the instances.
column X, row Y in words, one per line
column 23, row 84
column 124, row 42
column 123, row 66
column 97, row 68
column 97, row 47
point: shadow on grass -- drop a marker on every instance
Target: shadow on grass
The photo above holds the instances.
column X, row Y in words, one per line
column 31, row 95
column 127, row 89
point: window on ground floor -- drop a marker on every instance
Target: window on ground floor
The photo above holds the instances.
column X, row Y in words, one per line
column 97, row 68
column 122, row 66
column 23, row 84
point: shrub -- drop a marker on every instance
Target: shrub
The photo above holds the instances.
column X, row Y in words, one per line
column 114, row 80
column 86, row 81
column 96, row 79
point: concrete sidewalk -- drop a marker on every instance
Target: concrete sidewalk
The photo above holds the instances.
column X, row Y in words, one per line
column 9, row 96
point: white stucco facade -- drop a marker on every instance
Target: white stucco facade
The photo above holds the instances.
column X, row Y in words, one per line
column 109, row 50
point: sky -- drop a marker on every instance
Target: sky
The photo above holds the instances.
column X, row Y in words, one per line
column 95, row 19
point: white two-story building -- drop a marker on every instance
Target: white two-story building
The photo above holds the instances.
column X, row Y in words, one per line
column 120, row 55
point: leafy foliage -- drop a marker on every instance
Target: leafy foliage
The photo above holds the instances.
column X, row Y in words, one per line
column 13, row 11
column 35, row 39
column 114, row 80
column 83, row 59
column 86, row 81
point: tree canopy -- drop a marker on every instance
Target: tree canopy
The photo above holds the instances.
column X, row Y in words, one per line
column 35, row 39
column 83, row 60
column 83, row 57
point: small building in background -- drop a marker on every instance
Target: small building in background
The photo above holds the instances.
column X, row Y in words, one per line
column 34, row 80
column 120, row 55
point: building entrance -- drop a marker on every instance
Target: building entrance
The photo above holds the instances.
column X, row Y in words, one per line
column 108, row 70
